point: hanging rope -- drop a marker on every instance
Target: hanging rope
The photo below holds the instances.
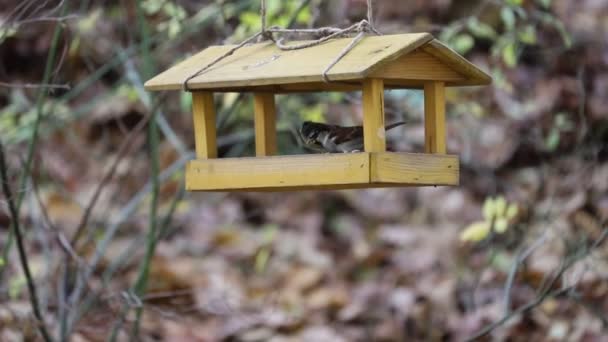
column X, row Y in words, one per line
column 361, row 28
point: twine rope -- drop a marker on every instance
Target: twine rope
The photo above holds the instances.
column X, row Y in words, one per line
column 361, row 28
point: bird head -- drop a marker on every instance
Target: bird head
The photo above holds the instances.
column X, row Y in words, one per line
column 310, row 131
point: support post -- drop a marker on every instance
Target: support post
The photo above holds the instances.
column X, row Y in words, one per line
column 265, row 124
column 374, row 135
column 434, row 118
column 205, row 136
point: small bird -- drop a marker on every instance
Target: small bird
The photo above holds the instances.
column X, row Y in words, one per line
column 333, row 138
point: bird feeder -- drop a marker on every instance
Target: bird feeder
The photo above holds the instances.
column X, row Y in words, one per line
column 376, row 63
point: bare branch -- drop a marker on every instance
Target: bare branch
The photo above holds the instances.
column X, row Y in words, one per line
column 34, row 85
column 124, row 149
column 547, row 290
column 31, row 285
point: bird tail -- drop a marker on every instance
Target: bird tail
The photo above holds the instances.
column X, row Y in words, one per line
column 396, row 124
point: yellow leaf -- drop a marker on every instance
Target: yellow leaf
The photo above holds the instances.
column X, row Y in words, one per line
column 512, row 211
column 475, row 232
column 501, row 225
column 489, row 209
column 500, row 206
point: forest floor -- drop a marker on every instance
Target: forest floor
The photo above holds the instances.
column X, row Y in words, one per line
column 352, row 265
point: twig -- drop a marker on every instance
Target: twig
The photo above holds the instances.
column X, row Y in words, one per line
column 141, row 283
column 134, row 77
column 520, row 258
column 34, row 85
column 34, row 137
column 123, row 150
column 523, row 309
column 62, row 241
column 46, row 19
column 126, row 212
column 20, row 247
column 546, row 291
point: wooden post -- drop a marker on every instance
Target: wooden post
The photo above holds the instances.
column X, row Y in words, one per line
column 434, row 118
column 374, row 135
column 205, row 136
column 265, row 124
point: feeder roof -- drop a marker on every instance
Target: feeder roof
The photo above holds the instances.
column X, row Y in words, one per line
column 402, row 61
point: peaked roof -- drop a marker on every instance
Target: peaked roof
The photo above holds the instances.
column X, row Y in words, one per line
column 264, row 65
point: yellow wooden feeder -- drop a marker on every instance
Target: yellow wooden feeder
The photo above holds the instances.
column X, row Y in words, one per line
column 413, row 61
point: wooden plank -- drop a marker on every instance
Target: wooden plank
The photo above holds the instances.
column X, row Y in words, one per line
column 414, row 168
column 374, row 135
column 279, row 172
column 418, row 65
column 264, row 64
column 434, row 118
column 205, row 136
column 473, row 74
column 265, row 117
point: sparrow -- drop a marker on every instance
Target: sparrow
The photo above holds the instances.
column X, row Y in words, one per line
column 333, row 138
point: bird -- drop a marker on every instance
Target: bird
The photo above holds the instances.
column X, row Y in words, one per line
column 334, row 138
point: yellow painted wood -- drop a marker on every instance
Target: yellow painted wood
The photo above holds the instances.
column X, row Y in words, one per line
column 277, row 172
column 265, row 124
column 414, row 168
column 205, row 136
column 418, row 65
column 322, row 172
column 374, row 135
column 473, row 75
column 263, row 64
column 434, row 118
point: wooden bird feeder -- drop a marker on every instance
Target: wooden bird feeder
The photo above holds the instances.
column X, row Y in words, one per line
column 412, row 61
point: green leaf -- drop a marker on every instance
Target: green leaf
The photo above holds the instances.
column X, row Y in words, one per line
column 2, row 263
column 563, row 123
column 261, row 259
column 449, row 32
column 250, row 20
column 515, row 2
column 174, row 28
column 314, row 113
column 527, row 35
column 508, row 18
column 463, row 43
column 185, row 101
column 15, row 286
column 480, row 29
column 509, row 54
column 151, row 7
column 545, row 3
column 7, row 31
column 304, row 16
column 552, row 140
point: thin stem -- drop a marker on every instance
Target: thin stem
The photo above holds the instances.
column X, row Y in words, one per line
column 42, row 93
column 153, row 135
column 31, row 286
column 142, row 280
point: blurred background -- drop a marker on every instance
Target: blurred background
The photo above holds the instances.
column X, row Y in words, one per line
column 117, row 250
